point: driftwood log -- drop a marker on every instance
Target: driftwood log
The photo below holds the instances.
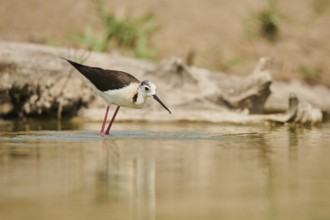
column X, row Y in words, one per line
column 35, row 81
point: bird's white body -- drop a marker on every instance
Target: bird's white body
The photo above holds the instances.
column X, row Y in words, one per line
column 124, row 96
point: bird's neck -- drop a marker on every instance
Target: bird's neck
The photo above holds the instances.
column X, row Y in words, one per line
column 139, row 99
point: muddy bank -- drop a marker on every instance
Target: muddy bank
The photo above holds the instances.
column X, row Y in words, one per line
column 34, row 81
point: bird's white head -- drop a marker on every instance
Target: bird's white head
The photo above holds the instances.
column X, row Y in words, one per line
column 148, row 89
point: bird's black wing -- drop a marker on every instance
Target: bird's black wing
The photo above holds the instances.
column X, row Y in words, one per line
column 105, row 80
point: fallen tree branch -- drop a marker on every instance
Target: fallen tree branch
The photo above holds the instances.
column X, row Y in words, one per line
column 35, row 82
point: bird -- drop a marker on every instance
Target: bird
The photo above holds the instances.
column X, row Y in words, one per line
column 118, row 88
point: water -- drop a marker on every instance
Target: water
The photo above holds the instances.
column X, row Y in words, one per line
column 51, row 170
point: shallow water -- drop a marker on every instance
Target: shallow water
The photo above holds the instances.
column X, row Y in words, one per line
column 51, row 170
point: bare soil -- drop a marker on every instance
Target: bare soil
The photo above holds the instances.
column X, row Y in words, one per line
column 215, row 31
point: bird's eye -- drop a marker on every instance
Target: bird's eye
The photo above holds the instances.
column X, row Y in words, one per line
column 146, row 88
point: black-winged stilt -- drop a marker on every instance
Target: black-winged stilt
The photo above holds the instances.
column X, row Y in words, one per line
column 118, row 88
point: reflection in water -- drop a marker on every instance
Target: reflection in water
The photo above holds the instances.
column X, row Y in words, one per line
column 183, row 172
column 132, row 179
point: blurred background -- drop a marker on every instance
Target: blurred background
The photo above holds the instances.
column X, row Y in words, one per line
column 221, row 35
column 52, row 169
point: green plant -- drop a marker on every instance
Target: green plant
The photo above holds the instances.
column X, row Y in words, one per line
column 309, row 73
column 265, row 23
column 92, row 40
column 218, row 57
column 230, row 64
column 126, row 33
column 320, row 7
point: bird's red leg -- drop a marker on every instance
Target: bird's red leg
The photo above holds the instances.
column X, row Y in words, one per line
column 104, row 120
column 112, row 120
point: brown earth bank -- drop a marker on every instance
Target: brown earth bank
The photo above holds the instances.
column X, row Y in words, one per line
column 222, row 34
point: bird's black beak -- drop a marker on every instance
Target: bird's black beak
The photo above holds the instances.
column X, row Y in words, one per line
column 160, row 102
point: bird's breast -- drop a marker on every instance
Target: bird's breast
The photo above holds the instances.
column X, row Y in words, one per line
column 122, row 97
